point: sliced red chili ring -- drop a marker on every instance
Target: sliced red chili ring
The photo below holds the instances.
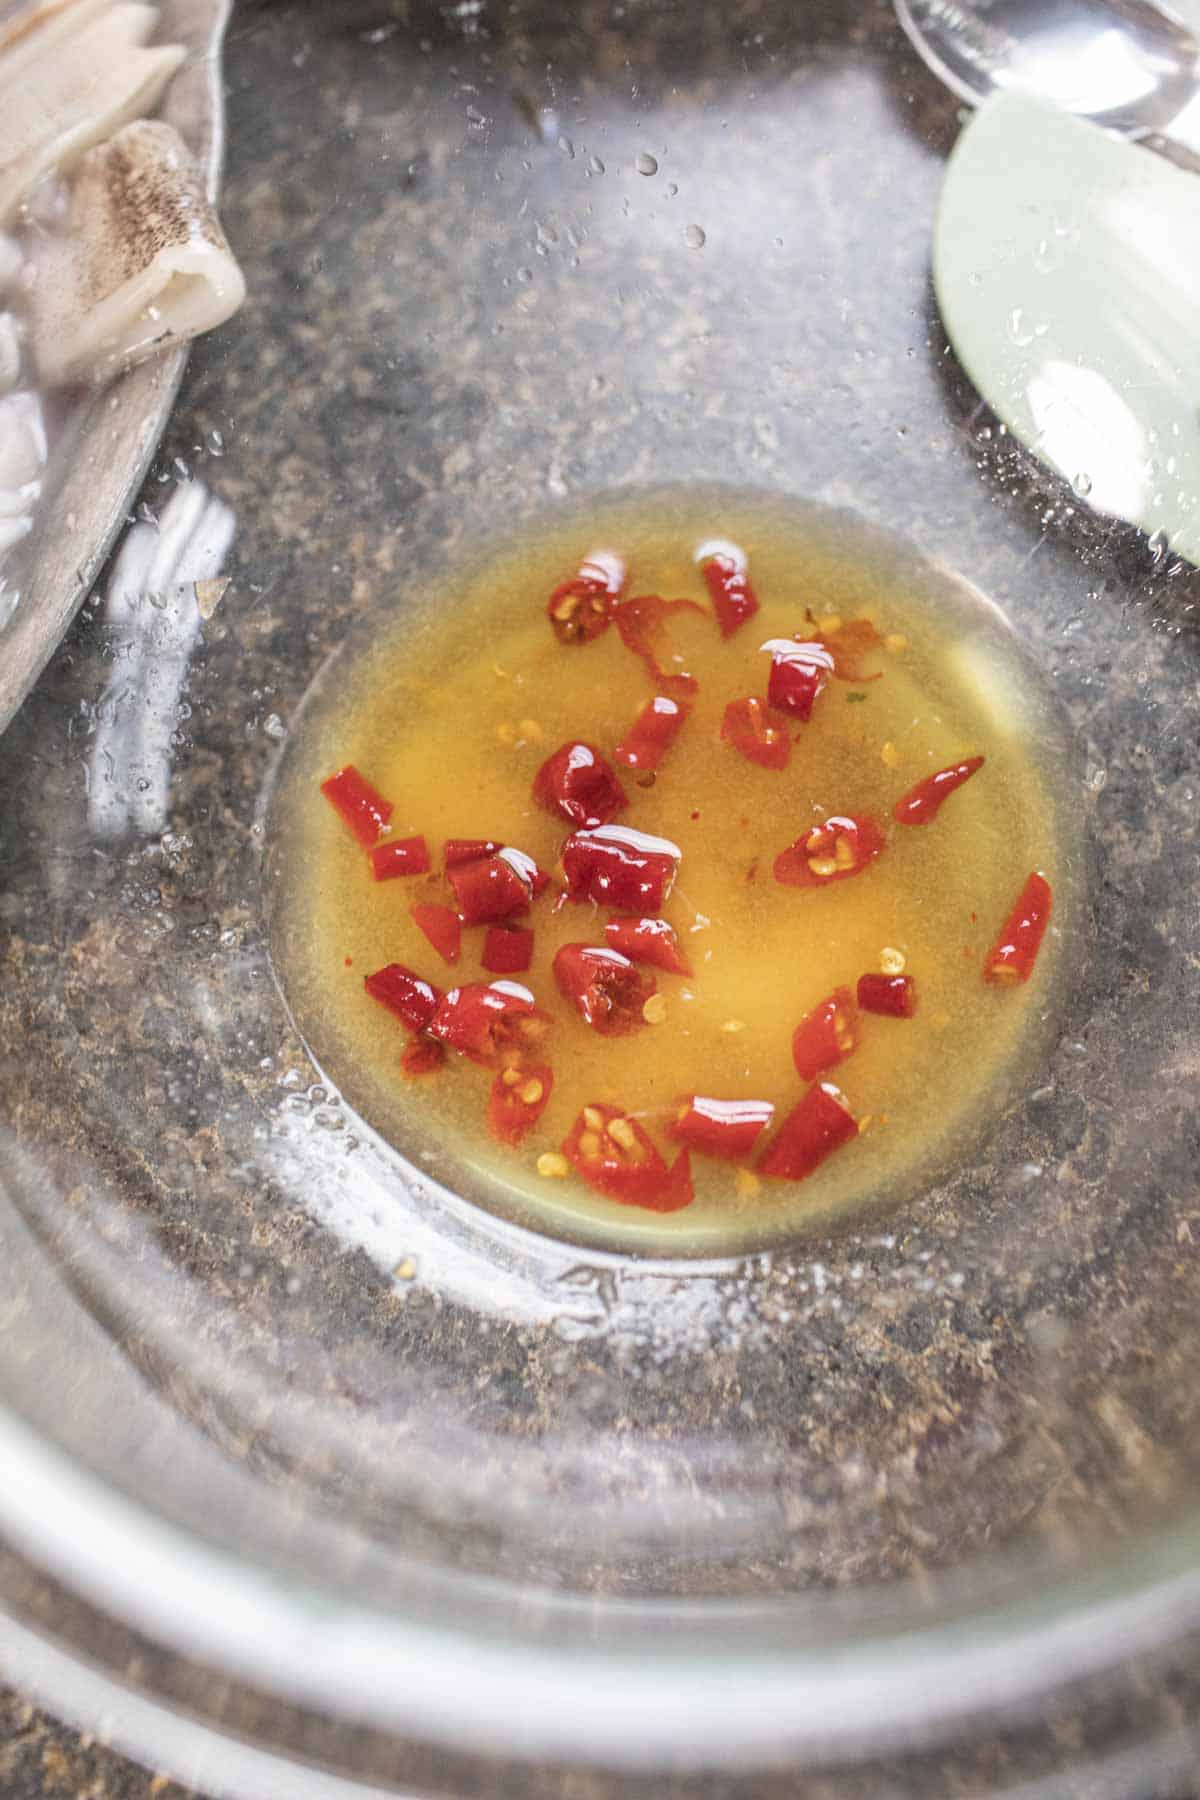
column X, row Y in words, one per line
column 1015, row 951
column 400, row 856
column 652, row 733
column 486, row 1021
column 421, row 1057
column 442, row 926
column 825, row 1036
column 620, row 867
column 507, row 950
column 895, row 996
column 578, row 783
column 650, row 941
column 923, row 802
column 820, row 1124
column 603, row 986
column 404, row 993
column 799, row 671
column 519, row 1097
column 364, row 811
column 725, row 1128
column 495, row 887
column 758, row 734
column 641, row 621
column 613, row 1155
column 834, row 851
column 580, row 609
column 734, row 600
column 467, row 850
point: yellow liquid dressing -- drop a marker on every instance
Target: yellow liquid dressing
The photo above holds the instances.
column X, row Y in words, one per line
column 462, row 694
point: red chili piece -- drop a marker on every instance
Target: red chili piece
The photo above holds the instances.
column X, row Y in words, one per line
column 798, row 673
column 652, row 733
column 620, row 867
column 487, row 1021
column 725, row 1128
column 839, row 848
column 760, row 735
column 442, row 926
column 613, row 1155
column 403, row 856
column 364, row 811
column 734, row 600
column 519, row 1097
column 923, row 803
column 892, row 995
column 604, row 988
column 820, row 1124
column 825, row 1036
column 467, row 850
column 581, row 608
column 578, row 783
column 495, row 887
column 1015, row 950
column 507, row 951
column 650, row 941
column 641, row 622
column 404, row 993
column 421, row 1057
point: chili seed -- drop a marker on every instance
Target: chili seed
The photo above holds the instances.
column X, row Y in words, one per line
column 843, row 853
column 552, row 1165
column 891, row 961
column 823, row 866
column 734, row 1025
column 532, row 1092
column 891, row 756
column 655, row 1010
column 589, row 1144
column 622, row 1132
column 510, row 1077
column 593, row 1118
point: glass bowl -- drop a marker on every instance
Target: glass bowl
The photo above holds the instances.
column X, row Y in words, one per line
column 321, row 1480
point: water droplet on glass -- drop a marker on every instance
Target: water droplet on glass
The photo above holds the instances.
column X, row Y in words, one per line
column 216, row 443
column 672, row 188
column 274, row 726
column 524, row 274
column 1018, row 329
column 595, row 166
column 1082, row 485
column 695, row 237
column 645, row 164
column 1157, row 545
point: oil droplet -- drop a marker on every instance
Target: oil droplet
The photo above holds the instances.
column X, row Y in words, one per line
column 645, row 164
column 1082, row 485
column 695, row 237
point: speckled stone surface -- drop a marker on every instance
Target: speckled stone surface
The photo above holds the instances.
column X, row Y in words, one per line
column 468, row 305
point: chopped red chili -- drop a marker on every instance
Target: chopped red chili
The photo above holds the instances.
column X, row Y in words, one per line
column 421, row 1057
column 734, row 600
column 507, row 950
column 726, row 1128
column 826, row 1036
column 442, row 926
column 401, row 856
column 894, row 996
column 519, row 1097
column 759, row 734
column 364, row 811
column 404, row 993
column 652, row 733
column 799, row 671
column 620, row 867
column 614, row 1155
column 839, row 848
column 1015, row 951
column 641, row 621
column 578, row 783
column 820, row 1124
column 604, row 988
column 650, row 941
column 488, row 1021
column 923, row 802
column 495, row 887
column 466, row 850
column 581, row 608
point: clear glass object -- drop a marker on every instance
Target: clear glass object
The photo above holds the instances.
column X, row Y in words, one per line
column 327, row 1474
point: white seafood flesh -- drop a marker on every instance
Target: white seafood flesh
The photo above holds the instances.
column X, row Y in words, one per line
column 143, row 262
